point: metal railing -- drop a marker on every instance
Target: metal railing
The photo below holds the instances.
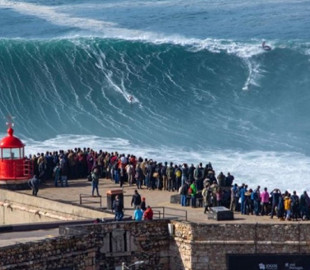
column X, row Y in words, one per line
column 89, row 199
column 28, row 168
column 169, row 212
column 159, row 212
column 162, row 212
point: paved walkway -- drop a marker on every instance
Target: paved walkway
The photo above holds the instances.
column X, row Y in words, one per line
column 156, row 199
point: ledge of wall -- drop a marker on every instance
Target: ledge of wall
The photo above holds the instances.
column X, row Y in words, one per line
column 205, row 246
column 22, row 208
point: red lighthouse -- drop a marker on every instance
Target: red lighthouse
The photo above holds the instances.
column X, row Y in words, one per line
column 14, row 167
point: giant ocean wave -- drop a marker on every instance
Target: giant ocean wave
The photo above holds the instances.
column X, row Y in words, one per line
column 223, row 101
column 213, row 94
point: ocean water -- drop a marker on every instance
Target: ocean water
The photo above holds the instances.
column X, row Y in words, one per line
column 181, row 81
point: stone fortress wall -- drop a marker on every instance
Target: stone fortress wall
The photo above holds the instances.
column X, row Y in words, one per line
column 208, row 246
column 186, row 246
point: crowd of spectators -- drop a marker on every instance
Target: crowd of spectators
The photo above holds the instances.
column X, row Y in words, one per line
column 194, row 183
column 284, row 205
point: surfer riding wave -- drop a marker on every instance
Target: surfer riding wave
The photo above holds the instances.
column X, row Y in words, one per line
column 265, row 47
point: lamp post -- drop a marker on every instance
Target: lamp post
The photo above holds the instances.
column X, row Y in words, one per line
column 124, row 266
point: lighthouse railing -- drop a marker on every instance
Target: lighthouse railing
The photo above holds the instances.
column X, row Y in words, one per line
column 28, row 168
column 22, row 169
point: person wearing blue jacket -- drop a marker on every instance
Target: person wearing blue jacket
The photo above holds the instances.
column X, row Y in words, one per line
column 138, row 213
column 243, row 190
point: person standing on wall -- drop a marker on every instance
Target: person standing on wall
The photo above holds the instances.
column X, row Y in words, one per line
column 63, row 171
column 275, row 197
column 234, row 197
column 138, row 213
column 183, row 193
column 264, row 201
column 184, row 173
column 56, row 172
column 170, row 177
column 118, row 207
column 192, row 190
column 295, row 206
column 130, row 173
column 164, row 176
column 139, row 176
column 95, row 181
column 257, row 200
column 207, row 197
column 242, row 192
column 148, row 214
column 198, row 177
column 143, row 204
column 34, row 183
column 136, row 199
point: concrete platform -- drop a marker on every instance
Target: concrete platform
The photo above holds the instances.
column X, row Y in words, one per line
column 155, row 198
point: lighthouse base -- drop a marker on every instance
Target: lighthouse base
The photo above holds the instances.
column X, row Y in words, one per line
column 15, row 184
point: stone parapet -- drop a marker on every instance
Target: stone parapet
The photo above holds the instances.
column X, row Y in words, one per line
column 206, row 246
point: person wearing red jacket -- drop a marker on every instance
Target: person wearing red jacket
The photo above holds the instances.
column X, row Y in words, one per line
column 148, row 214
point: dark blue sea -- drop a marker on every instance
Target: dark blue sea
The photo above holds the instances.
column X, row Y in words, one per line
column 182, row 81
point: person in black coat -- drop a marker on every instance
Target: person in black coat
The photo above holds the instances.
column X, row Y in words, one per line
column 34, row 183
column 118, row 207
column 143, row 204
column 183, row 192
column 136, row 199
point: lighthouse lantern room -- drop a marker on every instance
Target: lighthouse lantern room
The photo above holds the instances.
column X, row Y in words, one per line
column 14, row 167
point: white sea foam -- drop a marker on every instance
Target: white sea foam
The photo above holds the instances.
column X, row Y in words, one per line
column 60, row 15
column 284, row 170
column 54, row 14
column 253, row 75
column 128, row 4
column 212, row 5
